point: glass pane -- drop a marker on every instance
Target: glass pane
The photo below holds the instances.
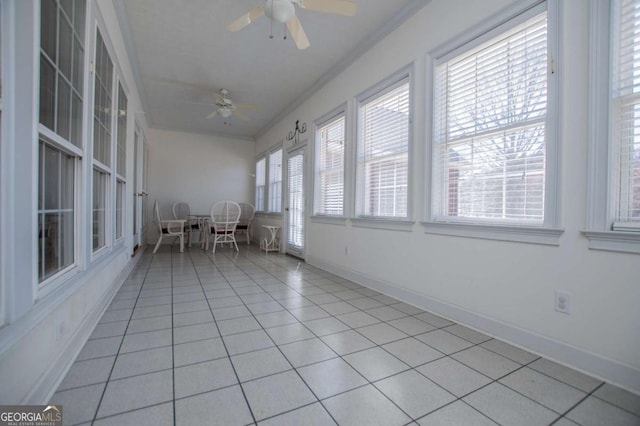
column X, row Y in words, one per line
column 67, row 6
column 64, row 108
column 66, row 246
column 119, row 199
column 67, row 179
column 122, row 131
column 47, row 93
column 78, row 63
column 76, row 120
column 51, row 178
column 48, row 28
column 64, row 47
column 99, row 192
column 78, row 18
column 41, row 175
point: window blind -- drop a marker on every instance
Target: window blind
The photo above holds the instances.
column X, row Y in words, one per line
column 275, row 181
column 260, row 183
column 329, row 182
column 625, row 91
column 382, row 153
column 490, row 128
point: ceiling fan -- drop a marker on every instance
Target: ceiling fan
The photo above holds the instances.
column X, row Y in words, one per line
column 284, row 12
column 225, row 107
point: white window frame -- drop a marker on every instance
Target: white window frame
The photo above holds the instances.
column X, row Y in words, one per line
column 272, row 207
column 67, row 147
column 549, row 231
column 320, row 123
column 396, row 223
column 599, row 226
column 263, row 208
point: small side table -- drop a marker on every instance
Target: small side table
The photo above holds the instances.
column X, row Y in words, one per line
column 270, row 241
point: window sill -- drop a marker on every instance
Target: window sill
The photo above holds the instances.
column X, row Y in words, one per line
column 383, row 223
column 518, row 234
column 624, row 242
column 329, row 220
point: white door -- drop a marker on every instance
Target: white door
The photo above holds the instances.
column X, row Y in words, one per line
column 295, row 210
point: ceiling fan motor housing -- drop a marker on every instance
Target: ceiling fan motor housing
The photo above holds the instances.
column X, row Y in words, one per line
column 280, row 10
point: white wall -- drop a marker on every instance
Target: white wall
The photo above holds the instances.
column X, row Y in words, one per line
column 198, row 169
column 44, row 331
column 503, row 288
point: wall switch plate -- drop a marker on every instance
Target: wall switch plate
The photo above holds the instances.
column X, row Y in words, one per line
column 563, row 302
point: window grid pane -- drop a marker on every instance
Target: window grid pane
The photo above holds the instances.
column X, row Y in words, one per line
column 383, row 162
column 260, row 183
column 626, row 110
column 100, row 180
column 490, row 128
column 275, row 182
column 121, row 132
column 120, row 187
column 329, row 181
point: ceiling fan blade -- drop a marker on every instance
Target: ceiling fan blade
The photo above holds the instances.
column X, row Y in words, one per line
column 246, row 19
column 336, row 7
column 241, row 115
column 297, row 33
column 213, row 114
column 246, row 106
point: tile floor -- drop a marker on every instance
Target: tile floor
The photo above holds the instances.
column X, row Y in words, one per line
column 249, row 338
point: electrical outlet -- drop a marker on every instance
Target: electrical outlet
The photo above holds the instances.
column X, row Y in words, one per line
column 563, row 302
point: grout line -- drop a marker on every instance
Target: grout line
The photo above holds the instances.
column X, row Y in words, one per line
column 173, row 345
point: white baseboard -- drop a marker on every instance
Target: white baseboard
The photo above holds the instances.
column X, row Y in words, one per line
column 587, row 362
column 51, row 379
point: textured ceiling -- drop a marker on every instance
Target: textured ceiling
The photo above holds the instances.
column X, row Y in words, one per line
column 185, row 55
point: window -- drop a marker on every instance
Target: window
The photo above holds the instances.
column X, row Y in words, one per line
column 613, row 214
column 625, row 115
column 382, row 152
column 102, row 137
column 56, row 210
column 260, row 184
column 121, row 160
column 493, row 142
column 62, row 27
column 329, row 170
column 490, row 128
column 275, row 182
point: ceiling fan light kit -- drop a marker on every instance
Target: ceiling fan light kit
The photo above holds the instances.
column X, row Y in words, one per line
column 280, row 10
column 284, row 12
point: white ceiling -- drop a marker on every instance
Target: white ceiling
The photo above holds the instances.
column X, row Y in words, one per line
column 185, row 55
